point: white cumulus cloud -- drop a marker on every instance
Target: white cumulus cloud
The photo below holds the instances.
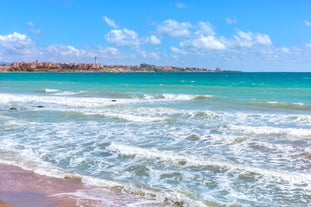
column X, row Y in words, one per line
column 250, row 39
column 205, row 28
column 154, row 40
column 285, row 50
column 124, row 37
column 203, row 42
column 16, row 43
column 178, row 51
column 174, row 28
column 69, row 53
column 65, row 50
column 110, row 22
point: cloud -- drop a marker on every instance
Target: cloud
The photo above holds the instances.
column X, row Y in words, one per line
column 205, row 28
column 250, row 39
column 33, row 28
column 123, row 37
column 285, row 50
column 107, row 51
column 110, row 22
column 174, row 28
column 68, row 51
column 231, row 20
column 178, row 51
column 154, row 55
column 16, row 44
column 126, row 37
column 203, row 42
column 154, row 40
column 65, row 51
column 307, row 23
column 180, row 5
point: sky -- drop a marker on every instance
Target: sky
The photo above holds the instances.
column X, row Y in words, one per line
column 246, row 35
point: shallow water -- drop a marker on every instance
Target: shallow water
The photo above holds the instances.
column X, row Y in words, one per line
column 199, row 138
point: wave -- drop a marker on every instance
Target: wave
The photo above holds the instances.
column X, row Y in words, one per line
column 31, row 100
column 289, row 105
column 47, row 90
column 272, row 105
column 97, row 189
column 177, row 97
column 191, row 160
column 57, row 92
column 285, row 103
column 293, row 132
column 136, row 118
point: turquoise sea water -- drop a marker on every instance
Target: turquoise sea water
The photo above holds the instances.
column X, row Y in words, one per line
column 203, row 139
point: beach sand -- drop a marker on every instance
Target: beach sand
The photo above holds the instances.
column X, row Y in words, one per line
column 23, row 188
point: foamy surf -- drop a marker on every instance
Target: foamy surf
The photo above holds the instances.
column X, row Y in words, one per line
column 196, row 142
column 190, row 160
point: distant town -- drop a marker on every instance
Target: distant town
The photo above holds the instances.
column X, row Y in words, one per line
column 94, row 67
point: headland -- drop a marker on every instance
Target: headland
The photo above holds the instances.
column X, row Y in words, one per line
column 94, row 67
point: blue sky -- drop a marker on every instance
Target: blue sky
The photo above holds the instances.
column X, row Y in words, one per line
column 248, row 35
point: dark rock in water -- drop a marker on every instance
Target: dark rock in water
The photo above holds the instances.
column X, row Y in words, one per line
column 193, row 137
column 113, row 100
column 13, row 109
column 40, row 106
column 182, row 162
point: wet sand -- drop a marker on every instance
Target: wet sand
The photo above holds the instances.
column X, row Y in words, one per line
column 23, row 188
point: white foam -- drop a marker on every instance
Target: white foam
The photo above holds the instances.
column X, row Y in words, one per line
column 197, row 161
column 135, row 118
column 59, row 100
column 272, row 130
column 68, row 93
column 273, row 102
column 285, row 103
column 299, row 104
column 177, row 97
column 49, row 90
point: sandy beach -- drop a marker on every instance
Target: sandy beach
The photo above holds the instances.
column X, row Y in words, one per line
column 20, row 187
column 23, row 188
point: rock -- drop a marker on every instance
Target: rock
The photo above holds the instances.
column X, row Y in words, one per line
column 182, row 162
column 40, row 106
column 13, row 109
column 113, row 100
column 193, row 137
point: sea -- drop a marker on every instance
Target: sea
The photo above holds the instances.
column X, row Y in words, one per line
column 192, row 139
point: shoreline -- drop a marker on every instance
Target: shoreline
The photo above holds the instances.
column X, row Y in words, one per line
column 75, row 67
column 24, row 188
column 109, row 71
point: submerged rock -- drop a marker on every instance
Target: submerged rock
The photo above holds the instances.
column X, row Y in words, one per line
column 13, row 109
column 40, row 106
column 193, row 137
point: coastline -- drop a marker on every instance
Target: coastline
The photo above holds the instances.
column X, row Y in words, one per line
column 24, row 188
column 82, row 67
